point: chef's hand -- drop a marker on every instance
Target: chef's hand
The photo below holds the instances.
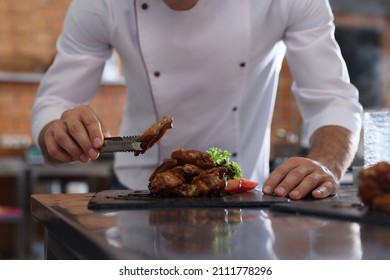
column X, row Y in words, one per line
column 298, row 177
column 331, row 153
column 77, row 135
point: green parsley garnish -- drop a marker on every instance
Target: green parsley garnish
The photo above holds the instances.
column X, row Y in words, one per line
column 222, row 157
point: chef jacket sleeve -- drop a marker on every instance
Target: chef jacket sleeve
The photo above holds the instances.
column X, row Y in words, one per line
column 321, row 85
column 74, row 77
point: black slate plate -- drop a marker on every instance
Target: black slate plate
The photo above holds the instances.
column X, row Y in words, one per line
column 126, row 199
column 352, row 211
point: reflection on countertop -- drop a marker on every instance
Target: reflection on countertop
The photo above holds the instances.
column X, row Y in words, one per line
column 196, row 233
column 230, row 234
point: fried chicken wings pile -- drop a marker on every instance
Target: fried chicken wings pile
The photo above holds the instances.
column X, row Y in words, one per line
column 188, row 173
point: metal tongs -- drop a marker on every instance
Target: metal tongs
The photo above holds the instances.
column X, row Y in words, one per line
column 121, row 144
column 138, row 144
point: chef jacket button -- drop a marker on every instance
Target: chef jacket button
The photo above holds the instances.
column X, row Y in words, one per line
column 144, row 6
column 242, row 64
column 157, row 74
column 234, row 108
column 234, row 154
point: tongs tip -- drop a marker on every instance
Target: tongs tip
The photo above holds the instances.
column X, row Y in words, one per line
column 121, row 144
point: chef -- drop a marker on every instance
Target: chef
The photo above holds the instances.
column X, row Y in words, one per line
column 214, row 67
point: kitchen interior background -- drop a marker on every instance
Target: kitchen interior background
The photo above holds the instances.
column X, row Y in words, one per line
column 28, row 33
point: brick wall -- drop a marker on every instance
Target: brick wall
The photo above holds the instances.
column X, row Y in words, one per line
column 16, row 100
column 28, row 31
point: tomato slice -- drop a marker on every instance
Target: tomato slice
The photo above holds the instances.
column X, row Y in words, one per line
column 240, row 185
column 247, row 185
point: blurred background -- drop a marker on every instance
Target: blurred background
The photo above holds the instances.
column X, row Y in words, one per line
column 28, row 33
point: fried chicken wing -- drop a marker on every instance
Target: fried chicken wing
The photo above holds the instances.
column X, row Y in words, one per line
column 154, row 133
column 212, row 181
column 194, row 157
column 166, row 182
column 166, row 165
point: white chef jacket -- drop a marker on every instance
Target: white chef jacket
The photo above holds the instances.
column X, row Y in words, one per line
column 214, row 68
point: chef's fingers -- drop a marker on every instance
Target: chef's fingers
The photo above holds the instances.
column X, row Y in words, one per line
column 298, row 177
column 59, row 145
column 326, row 189
column 306, row 185
column 293, row 181
column 286, row 178
column 105, row 131
column 329, row 185
column 277, row 176
column 93, row 124
column 84, row 127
